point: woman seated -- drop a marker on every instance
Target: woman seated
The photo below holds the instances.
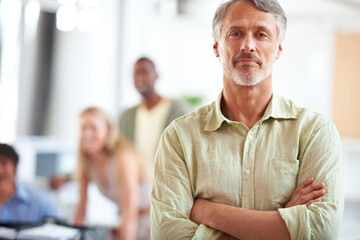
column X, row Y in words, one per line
column 108, row 159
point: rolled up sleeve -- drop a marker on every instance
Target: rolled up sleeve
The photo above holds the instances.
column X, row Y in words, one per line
column 321, row 159
column 172, row 198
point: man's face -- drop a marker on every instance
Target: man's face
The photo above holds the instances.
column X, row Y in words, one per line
column 248, row 44
column 144, row 77
column 7, row 173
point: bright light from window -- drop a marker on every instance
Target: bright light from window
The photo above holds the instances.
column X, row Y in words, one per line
column 67, row 2
column 10, row 13
column 32, row 11
column 66, row 18
column 89, row 3
column 169, row 7
column 88, row 20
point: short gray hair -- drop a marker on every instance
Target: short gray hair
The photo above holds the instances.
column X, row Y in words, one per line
column 269, row 6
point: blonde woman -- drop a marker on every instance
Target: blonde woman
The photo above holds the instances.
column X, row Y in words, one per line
column 109, row 160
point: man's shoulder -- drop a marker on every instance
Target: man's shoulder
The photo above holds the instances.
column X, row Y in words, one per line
column 178, row 107
column 306, row 116
column 33, row 196
column 127, row 116
column 130, row 110
column 177, row 103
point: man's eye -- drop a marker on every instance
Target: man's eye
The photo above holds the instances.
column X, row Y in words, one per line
column 235, row 34
column 262, row 35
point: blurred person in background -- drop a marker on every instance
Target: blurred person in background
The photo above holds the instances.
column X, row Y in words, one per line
column 18, row 203
column 144, row 123
column 108, row 159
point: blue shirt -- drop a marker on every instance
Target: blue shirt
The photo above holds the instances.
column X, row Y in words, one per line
column 27, row 206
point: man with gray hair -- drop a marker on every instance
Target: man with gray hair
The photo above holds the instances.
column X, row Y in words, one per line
column 251, row 165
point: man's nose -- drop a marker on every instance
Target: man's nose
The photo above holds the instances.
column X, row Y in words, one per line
column 248, row 44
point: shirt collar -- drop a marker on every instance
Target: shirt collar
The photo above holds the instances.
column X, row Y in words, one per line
column 216, row 116
column 278, row 108
column 21, row 194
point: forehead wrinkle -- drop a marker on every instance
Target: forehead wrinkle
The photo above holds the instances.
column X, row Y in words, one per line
column 239, row 17
column 258, row 27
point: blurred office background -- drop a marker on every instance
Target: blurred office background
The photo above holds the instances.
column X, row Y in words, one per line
column 59, row 56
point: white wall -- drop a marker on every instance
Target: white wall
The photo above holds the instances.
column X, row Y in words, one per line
column 85, row 74
column 304, row 71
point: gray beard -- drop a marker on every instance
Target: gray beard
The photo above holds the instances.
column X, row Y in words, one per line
column 246, row 76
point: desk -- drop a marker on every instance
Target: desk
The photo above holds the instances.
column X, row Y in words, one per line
column 86, row 233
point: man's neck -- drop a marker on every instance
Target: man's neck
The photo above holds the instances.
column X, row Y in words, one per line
column 246, row 104
column 7, row 192
column 151, row 101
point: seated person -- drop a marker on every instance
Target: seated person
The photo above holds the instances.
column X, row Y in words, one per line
column 18, row 203
column 108, row 159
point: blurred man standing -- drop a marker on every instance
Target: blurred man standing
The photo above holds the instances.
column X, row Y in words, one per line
column 144, row 123
column 18, row 203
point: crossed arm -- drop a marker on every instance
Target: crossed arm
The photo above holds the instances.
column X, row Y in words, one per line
column 175, row 215
column 240, row 223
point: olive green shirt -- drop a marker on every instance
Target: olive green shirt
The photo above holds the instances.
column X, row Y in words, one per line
column 204, row 155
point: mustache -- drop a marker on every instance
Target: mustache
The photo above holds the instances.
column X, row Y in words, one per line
column 247, row 56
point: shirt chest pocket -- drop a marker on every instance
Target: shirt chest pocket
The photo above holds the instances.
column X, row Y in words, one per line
column 282, row 178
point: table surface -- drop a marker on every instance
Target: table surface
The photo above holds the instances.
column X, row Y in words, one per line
column 88, row 233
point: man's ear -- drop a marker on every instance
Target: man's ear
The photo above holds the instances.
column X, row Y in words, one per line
column 215, row 48
column 156, row 77
column 279, row 51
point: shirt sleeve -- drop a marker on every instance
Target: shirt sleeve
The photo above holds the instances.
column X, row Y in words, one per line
column 321, row 159
column 172, row 198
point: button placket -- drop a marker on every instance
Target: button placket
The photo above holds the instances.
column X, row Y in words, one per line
column 248, row 169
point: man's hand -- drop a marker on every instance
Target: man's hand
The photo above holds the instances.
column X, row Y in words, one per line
column 307, row 193
column 56, row 182
column 201, row 211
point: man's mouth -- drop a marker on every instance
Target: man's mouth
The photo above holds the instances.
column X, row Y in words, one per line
column 247, row 59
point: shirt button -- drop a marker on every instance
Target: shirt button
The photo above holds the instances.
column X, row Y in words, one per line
column 247, row 171
column 250, row 136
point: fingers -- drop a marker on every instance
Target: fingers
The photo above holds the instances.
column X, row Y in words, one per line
column 309, row 186
column 307, row 182
column 307, row 193
column 313, row 187
column 313, row 201
column 312, row 196
column 311, row 191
